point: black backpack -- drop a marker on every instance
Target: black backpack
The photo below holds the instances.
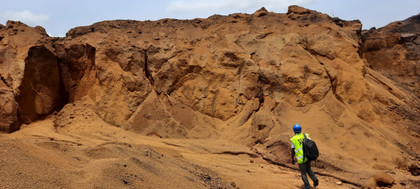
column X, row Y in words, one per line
column 310, row 150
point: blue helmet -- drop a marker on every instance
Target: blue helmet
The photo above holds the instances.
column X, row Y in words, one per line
column 297, row 128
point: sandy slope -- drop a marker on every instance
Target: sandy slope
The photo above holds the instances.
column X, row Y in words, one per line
column 42, row 156
column 89, row 153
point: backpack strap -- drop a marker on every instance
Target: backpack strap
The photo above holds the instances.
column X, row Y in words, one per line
column 305, row 138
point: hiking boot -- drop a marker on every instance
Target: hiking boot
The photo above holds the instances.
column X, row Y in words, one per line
column 316, row 183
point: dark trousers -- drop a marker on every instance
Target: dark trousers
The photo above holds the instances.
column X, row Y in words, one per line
column 306, row 168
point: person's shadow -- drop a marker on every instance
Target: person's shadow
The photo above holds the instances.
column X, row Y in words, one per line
column 303, row 187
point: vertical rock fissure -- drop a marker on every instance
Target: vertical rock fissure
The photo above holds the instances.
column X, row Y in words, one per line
column 146, row 67
column 65, row 97
column 260, row 94
column 333, row 86
column 239, row 73
column 213, row 103
column 5, row 82
column 332, row 80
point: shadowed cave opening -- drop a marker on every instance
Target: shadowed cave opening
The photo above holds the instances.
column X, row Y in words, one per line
column 50, row 81
column 41, row 90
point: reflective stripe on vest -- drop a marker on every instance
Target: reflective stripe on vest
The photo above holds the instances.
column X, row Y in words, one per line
column 297, row 140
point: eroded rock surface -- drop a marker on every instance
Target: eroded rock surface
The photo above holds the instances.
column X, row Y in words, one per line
column 244, row 78
column 395, row 51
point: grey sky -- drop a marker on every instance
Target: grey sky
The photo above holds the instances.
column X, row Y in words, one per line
column 57, row 17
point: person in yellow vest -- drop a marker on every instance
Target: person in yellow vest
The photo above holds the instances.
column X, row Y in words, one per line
column 303, row 162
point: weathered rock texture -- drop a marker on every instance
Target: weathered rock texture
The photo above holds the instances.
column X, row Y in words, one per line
column 245, row 78
column 394, row 50
column 29, row 73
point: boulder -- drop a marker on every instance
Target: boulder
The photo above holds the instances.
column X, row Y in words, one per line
column 298, row 10
column 261, row 12
column 384, row 179
column 414, row 169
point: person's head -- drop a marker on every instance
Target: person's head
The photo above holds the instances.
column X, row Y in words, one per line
column 297, row 128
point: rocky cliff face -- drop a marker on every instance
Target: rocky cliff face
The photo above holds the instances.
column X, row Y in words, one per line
column 246, row 78
column 394, row 50
column 29, row 74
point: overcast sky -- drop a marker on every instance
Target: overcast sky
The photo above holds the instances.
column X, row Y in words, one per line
column 57, row 16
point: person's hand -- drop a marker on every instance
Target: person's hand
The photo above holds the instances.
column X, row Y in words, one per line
column 293, row 161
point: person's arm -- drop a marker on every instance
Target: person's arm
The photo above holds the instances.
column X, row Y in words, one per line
column 293, row 153
column 293, row 156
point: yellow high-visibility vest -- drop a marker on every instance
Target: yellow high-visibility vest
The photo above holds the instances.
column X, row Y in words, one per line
column 297, row 140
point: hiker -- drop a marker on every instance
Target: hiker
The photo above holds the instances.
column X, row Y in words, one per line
column 303, row 162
